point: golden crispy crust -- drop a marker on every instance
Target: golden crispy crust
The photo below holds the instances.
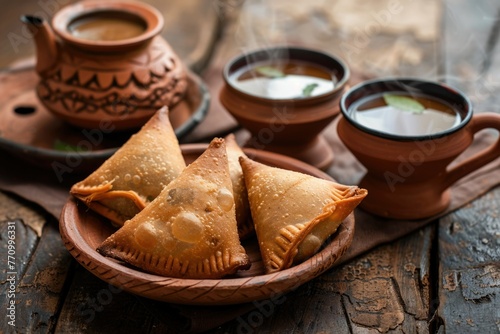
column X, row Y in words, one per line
column 294, row 213
column 243, row 217
column 125, row 183
column 189, row 230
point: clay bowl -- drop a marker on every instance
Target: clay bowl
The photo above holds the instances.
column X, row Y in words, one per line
column 82, row 231
column 287, row 125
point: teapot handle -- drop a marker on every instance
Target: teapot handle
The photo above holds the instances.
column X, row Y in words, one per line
column 478, row 122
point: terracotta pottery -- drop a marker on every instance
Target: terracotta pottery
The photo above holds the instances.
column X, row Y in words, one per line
column 29, row 131
column 408, row 177
column 100, row 75
column 289, row 126
column 82, row 231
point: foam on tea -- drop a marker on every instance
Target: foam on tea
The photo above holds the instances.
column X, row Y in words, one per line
column 398, row 113
column 107, row 27
column 283, row 80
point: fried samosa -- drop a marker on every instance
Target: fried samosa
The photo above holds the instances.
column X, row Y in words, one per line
column 243, row 217
column 294, row 213
column 189, row 230
column 136, row 173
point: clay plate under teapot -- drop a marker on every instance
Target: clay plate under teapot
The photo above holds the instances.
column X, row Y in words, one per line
column 105, row 61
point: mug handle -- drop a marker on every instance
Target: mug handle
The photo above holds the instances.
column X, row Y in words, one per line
column 478, row 123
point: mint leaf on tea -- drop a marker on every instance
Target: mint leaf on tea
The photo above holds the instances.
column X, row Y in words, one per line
column 307, row 91
column 66, row 147
column 404, row 103
column 270, row 72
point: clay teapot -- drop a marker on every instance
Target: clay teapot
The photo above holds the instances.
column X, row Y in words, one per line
column 104, row 61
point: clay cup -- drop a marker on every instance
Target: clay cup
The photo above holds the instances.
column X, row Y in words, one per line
column 409, row 176
column 287, row 125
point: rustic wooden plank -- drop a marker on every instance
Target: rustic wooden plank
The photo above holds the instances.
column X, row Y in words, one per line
column 384, row 291
column 41, row 266
column 13, row 267
column 388, row 290
column 469, row 256
column 469, row 272
column 42, row 286
column 94, row 306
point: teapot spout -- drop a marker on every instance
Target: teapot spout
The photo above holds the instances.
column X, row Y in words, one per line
column 45, row 42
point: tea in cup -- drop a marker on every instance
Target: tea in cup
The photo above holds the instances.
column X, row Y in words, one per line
column 407, row 132
column 285, row 96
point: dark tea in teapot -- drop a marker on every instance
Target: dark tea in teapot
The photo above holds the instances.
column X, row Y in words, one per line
column 107, row 26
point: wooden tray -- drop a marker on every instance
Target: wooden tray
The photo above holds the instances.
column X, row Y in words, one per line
column 83, row 231
column 30, row 131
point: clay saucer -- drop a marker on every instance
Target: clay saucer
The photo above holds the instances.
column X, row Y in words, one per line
column 30, row 131
column 82, row 231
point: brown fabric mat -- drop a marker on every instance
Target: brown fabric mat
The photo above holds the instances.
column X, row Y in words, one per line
column 42, row 188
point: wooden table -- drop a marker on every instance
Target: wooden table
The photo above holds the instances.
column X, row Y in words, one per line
column 442, row 278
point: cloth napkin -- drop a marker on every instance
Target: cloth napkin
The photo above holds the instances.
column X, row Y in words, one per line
column 43, row 188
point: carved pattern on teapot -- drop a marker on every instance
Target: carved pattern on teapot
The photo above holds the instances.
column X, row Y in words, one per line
column 80, row 84
column 85, row 82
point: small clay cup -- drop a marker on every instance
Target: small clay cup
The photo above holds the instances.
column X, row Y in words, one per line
column 408, row 177
column 289, row 126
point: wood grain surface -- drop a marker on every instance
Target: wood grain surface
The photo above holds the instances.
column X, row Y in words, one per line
column 444, row 278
